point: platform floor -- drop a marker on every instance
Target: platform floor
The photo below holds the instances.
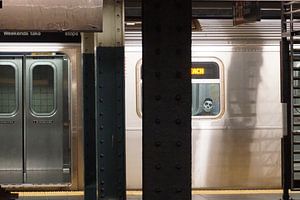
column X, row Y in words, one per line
column 197, row 195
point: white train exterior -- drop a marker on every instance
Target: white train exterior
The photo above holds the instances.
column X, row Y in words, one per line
column 239, row 148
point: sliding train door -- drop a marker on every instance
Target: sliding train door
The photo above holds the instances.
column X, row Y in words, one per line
column 11, row 122
column 34, row 120
column 44, row 120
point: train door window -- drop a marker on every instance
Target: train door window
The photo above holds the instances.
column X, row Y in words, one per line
column 8, row 101
column 43, row 96
column 207, row 89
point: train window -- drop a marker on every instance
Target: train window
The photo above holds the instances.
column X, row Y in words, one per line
column 8, row 102
column 42, row 89
column 139, row 84
column 206, row 89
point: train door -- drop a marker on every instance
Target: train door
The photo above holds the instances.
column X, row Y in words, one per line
column 11, row 123
column 44, row 120
column 33, row 143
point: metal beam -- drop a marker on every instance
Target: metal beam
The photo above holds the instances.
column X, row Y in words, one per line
column 166, row 100
column 88, row 62
column 111, row 123
column 113, row 24
column 111, row 103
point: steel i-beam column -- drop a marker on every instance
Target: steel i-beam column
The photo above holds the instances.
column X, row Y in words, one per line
column 88, row 62
column 166, row 99
column 110, row 104
column 285, row 71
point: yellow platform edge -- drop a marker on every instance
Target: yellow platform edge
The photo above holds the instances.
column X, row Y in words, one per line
column 139, row 192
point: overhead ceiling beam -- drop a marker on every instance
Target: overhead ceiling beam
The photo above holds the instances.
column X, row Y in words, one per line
column 209, row 9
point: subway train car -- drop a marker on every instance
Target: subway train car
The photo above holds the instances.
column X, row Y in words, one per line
column 237, row 120
column 237, row 114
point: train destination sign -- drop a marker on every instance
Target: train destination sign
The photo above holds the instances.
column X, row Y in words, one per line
column 198, row 71
column 54, row 15
column 205, row 70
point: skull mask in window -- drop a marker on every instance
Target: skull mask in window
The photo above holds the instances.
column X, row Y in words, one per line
column 208, row 105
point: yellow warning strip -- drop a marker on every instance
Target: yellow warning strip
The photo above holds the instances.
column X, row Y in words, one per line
column 232, row 192
column 220, row 192
column 139, row 193
column 50, row 194
column 134, row 192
